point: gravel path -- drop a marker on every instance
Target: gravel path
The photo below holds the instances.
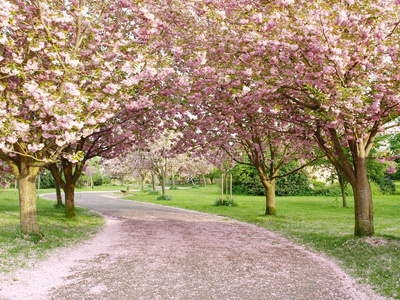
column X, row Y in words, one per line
column 148, row 251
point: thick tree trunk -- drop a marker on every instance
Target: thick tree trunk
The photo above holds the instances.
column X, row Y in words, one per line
column 363, row 209
column 27, row 198
column 163, row 184
column 204, row 180
column 69, row 192
column 58, row 193
column 269, row 186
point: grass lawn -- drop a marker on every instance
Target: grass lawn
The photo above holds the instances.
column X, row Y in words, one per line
column 319, row 223
column 17, row 250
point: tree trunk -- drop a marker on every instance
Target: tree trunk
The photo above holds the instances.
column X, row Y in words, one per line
column 222, row 188
column 269, row 186
column 363, row 210
column 153, row 180
column 173, row 180
column 27, row 198
column 69, row 192
column 231, row 198
column 143, row 183
column 342, row 188
column 58, row 193
column 226, row 186
column 163, row 184
column 204, row 181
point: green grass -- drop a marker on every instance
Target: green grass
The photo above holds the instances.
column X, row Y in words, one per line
column 319, row 223
column 18, row 250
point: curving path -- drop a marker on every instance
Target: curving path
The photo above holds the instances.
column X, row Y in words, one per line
column 148, row 251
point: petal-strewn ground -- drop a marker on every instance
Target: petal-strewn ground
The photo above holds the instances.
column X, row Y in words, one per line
column 151, row 252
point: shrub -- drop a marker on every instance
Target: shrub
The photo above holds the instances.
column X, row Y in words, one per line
column 247, row 181
column 97, row 180
column 385, row 184
column 225, row 202
column 173, row 188
column 46, row 180
column 164, row 197
column 296, row 184
column 151, row 192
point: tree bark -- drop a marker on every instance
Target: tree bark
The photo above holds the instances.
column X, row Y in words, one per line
column 27, row 198
column 58, row 193
column 69, row 192
column 363, row 209
column 173, row 180
column 153, row 180
column 222, row 188
column 204, row 180
column 342, row 188
column 163, row 184
column 226, row 186
column 143, row 183
column 72, row 172
column 269, row 186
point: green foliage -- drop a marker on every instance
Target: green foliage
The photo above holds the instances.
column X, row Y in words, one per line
column 106, row 179
column 377, row 174
column 164, row 197
column 322, row 189
column 394, row 141
column 46, row 180
column 215, row 173
column 296, row 184
column 173, row 188
column 97, row 179
column 385, row 185
column 247, row 181
column 225, row 202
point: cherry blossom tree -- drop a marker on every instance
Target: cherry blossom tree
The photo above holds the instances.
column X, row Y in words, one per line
column 66, row 67
column 159, row 154
column 338, row 65
column 193, row 166
column 6, row 175
column 140, row 164
column 222, row 106
column 331, row 66
column 113, row 139
column 116, row 168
